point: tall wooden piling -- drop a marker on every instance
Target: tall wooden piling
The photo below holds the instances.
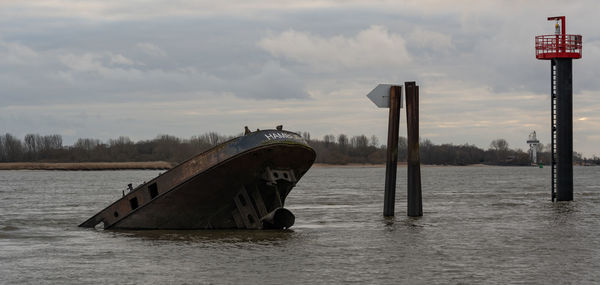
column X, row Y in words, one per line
column 414, row 198
column 389, row 197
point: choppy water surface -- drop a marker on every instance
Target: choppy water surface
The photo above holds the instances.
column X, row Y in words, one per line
column 480, row 224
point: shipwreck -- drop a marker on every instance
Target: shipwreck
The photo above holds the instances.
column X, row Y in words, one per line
column 239, row 184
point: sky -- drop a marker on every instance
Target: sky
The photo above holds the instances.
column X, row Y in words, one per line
column 104, row 69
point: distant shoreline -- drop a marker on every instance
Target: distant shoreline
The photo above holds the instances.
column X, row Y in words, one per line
column 163, row 165
column 146, row 165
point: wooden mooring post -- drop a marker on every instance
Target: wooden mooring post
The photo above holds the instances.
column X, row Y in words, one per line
column 390, row 96
column 389, row 197
column 414, row 197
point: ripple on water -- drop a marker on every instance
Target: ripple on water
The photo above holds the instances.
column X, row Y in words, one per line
column 480, row 225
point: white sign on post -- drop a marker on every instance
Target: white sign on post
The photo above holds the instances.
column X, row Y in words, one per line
column 381, row 96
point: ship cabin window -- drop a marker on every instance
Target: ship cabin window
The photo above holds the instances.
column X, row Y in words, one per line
column 133, row 202
column 153, row 189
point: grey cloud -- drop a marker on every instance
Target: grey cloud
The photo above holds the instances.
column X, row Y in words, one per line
column 273, row 82
column 151, row 49
column 181, row 54
column 122, row 62
column 371, row 47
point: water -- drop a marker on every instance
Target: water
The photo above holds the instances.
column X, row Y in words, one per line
column 480, row 225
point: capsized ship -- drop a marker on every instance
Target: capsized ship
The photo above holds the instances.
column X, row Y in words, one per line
column 241, row 183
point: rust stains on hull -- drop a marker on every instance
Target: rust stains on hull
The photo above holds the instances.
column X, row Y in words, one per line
column 240, row 184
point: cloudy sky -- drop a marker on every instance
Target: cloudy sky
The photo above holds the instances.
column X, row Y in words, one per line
column 109, row 68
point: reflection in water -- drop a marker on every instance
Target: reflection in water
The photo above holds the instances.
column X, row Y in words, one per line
column 405, row 223
column 563, row 212
column 224, row 236
column 564, row 208
column 480, row 225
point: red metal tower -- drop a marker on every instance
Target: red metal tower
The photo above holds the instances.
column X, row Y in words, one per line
column 560, row 49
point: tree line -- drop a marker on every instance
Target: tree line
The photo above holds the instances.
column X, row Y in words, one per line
column 38, row 148
column 360, row 149
column 331, row 149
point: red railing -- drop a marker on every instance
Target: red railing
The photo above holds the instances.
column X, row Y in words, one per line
column 558, row 46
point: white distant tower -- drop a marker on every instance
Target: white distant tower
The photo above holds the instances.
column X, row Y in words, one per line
column 533, row 142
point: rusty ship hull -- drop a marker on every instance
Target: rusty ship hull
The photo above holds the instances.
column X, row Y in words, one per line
column 240, row 184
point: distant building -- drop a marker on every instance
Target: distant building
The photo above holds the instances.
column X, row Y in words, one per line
column 533, row 143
